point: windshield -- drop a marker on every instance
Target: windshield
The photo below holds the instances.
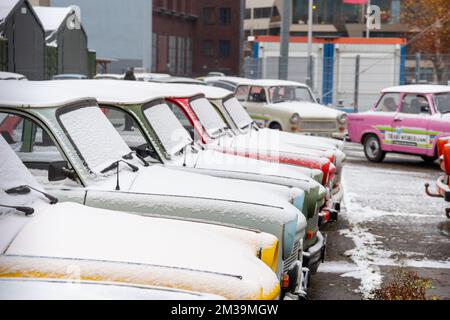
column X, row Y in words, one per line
column 168, row 128
column 95, row 138
column 237, row 112
column 209, row 118
column 13, row 173
column 442, row 101
column 290, row 93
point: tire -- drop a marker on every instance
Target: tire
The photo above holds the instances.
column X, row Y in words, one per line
column 372, row 149
column 275, row 126
column 429, row 160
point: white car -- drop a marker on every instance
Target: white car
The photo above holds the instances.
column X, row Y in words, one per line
column 284, row 105
column 45, row 240
column 63, row 136
column 11, row 76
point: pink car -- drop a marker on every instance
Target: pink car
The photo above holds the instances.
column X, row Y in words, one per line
column 406, row 119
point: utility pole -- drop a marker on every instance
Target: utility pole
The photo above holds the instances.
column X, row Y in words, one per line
column 368, row 12
column 241, row 36
column 284, row 45
column 309, row 79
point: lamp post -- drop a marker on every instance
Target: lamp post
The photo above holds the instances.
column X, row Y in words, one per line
column 309, row 81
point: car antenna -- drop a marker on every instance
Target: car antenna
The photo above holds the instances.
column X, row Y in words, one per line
column 185, row 156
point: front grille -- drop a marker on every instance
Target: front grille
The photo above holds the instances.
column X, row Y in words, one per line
column 294, row 256
column 318, row 125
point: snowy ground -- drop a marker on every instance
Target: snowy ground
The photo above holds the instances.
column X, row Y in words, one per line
column 387, row 222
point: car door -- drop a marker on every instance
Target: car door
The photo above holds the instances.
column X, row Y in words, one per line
column 411, row 125
column 381, row 119
column 37, row 149
column 255, row 105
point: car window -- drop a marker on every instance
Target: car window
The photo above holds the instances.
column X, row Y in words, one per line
column 184, row 120
column 126, row 126
column 242, row 93
column 224, row 85
column 33, row 145
column 442, row 102
column 167, row 127
column 388, row 103
column 258, row 95
column 415, row 104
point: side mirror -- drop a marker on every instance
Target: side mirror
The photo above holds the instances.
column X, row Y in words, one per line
column 318, row 100
column 58, row 171
column 145, row 151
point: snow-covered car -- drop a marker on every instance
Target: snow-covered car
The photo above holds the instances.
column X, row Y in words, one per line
column 74, row 150
column 157, row 134
column 11, row 76
column 284, row 105
column 57, row 289
column 241, row 124
column 207, row 126
column 443, row 182
column 43, row 239
column 406, row 119
column 69, row 76
column 109, row 76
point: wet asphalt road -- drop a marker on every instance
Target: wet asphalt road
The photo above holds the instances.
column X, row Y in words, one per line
column 387, row 222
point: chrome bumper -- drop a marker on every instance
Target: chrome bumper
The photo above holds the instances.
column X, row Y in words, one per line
column 316, row 254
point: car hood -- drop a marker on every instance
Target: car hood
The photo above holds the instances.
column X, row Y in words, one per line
column 308, row 110
column 159, row 180
column 106, row 245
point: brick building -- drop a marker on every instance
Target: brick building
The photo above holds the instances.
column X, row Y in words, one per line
column 194, row 37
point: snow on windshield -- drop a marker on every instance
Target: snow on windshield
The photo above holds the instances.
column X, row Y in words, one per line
column 94, row 137
column 168, row 128
column 13, row 173
column 209, row 118
column 237, row 113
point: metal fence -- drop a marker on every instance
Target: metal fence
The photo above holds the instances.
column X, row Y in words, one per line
column 354, row 81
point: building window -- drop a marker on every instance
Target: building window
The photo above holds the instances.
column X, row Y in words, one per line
column 248, row 14
column 224, row 16
column 207, row 48
column 208, row 16
column 224, row 48
column 181, row 56
column 260, row 13
column 154, row 51
column 189, row 56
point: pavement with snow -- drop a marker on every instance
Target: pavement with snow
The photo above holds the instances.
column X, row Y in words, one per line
column 387, row 222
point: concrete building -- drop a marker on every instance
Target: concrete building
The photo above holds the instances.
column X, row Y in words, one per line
column 117, row 30
column 331, row 18
column 22, row 39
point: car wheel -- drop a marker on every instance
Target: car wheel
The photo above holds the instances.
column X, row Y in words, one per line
column 276, row 126
column 429, row 160
column 372, row 149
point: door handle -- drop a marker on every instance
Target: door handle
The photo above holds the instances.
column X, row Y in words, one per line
column 398, row 119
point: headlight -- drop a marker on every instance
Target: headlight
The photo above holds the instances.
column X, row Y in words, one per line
column 290, row 231
column 342, row 118
column 295, row 119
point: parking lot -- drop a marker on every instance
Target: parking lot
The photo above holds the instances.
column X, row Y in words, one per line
column 387, row 222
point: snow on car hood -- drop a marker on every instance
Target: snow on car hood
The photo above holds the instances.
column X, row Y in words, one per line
column 307, row 110
column 170, row 248
column 159, row 180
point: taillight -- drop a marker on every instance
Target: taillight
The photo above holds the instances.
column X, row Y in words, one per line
column 446, row 162
column 441, row 144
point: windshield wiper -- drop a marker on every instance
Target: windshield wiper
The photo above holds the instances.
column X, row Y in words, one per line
column 115, row 165
column 23, row 190
column 129, row 156
column 27, row 210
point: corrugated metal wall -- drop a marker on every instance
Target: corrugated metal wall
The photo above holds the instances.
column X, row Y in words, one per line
column 51, row 62
column 3, row 55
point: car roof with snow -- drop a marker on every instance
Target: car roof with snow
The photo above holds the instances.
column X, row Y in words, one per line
column 36, row 94
column 418, row 89
column 126, row 92
column 276, row 82
column 210, row 92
